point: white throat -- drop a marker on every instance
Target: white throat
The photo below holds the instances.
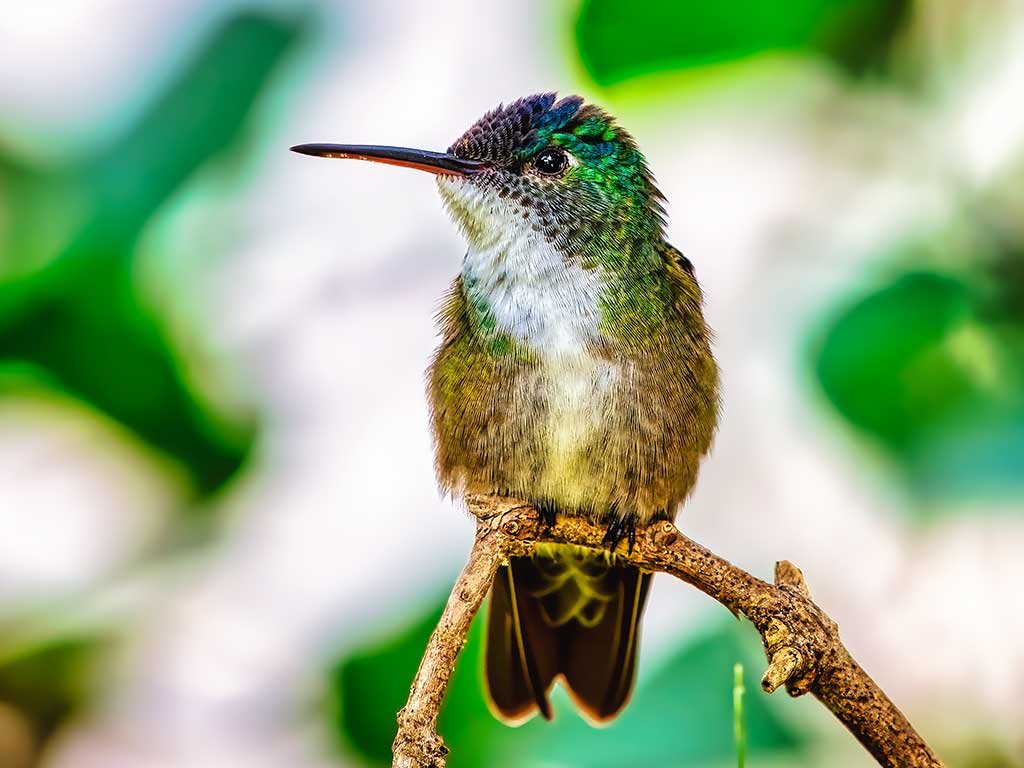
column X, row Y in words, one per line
column 536, row 295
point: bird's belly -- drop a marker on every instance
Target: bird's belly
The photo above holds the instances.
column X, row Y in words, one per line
column 580, row 395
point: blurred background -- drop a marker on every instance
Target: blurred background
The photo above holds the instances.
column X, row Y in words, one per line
column 220, row 538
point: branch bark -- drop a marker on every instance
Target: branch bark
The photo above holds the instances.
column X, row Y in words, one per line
column 801, row 641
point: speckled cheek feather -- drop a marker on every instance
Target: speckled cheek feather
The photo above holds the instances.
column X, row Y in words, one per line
column 604, row 208
column 514, row 274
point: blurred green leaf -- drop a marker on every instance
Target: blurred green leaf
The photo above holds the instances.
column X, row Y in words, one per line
column 619, row 40
column 371, row 685
column 884, row 362
column 680, row 715
column 71, row 307
column 930, row 367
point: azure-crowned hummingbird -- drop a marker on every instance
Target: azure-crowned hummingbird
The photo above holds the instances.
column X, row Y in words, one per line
column 575, row 371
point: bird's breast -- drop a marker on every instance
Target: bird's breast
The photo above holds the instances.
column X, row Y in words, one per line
column 552, row 306
column 579, row 390
column 541, row 298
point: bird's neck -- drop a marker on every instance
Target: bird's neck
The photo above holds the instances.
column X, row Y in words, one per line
column 530, row 291
column 551, row 303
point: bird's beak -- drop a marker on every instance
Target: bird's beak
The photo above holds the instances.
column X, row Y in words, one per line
column 420, row 159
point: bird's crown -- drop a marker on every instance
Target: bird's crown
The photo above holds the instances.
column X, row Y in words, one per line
column 566, row 156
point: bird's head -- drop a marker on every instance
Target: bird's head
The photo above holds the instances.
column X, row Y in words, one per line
column 564, row 167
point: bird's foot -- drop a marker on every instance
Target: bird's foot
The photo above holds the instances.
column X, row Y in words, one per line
column 619, row 529
column 548, row 512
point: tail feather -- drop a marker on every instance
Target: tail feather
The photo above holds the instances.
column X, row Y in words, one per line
column 600, row 663
column 570, row 614
column 521, row 658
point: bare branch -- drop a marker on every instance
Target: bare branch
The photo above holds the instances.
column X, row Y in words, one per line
column 417, row 744
column 801, row 641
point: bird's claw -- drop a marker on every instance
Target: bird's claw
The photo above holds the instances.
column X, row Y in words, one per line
column 622, row 528
column 548, row 513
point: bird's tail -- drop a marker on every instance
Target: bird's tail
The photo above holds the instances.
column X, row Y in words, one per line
column 566, row 612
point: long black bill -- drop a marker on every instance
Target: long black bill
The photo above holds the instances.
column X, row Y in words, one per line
column 421, row 159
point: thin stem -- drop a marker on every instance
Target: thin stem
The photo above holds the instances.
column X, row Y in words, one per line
column 739, row 731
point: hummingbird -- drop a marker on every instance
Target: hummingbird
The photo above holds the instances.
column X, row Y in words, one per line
column 574, row 371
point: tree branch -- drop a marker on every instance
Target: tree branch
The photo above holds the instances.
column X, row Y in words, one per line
column 801, row 641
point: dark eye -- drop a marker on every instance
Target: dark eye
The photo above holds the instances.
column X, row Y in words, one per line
column 551, row 162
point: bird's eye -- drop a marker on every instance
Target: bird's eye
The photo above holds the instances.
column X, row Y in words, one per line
column 551, row 162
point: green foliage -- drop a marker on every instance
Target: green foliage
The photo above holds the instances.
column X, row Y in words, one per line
column 72, row 316
column 75, row 322
column 681, row 713
column 930, row 366
column 884, row 363
column 366, row 683
column 618, row 40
